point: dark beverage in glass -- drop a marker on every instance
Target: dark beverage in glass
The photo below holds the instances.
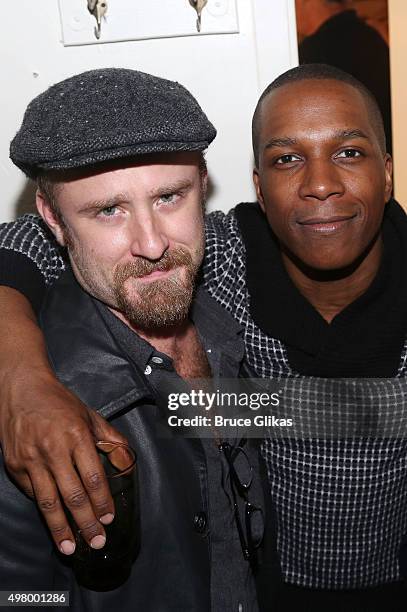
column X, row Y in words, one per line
column 109, row 567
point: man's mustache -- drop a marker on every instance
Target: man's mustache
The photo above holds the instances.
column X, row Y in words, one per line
column 140, row 266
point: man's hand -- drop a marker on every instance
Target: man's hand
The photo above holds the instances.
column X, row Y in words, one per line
column 48, row 435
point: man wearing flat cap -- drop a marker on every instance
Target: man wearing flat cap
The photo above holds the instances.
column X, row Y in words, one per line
column 117, row 155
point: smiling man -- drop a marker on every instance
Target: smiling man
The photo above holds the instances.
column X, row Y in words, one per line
column 322, row 178
column 316, row 273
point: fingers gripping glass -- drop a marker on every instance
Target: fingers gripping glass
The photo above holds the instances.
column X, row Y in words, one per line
column 251, row 529
column 108, row 568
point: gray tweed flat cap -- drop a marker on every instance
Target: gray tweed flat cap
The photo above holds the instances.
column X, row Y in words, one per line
column 102, row 115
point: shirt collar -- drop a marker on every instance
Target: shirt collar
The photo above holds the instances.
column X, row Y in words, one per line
column 216, row 328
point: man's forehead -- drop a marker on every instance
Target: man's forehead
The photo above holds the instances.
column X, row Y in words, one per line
column 321, row 105
column 129, row 183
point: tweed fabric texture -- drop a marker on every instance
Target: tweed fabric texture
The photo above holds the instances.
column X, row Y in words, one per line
column 341, row 504
column 107, row 114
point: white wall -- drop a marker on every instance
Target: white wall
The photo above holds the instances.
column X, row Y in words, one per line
column 225, row 72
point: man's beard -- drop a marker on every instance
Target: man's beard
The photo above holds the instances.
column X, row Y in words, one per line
column 158, row 303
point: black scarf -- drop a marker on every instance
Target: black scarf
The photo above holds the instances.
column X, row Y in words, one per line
column 363, row 340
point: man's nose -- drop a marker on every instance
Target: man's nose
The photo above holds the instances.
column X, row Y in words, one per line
column 148, row 238
column 321, row 180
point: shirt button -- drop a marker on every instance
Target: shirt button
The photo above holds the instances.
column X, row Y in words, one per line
column 157, row 360
column 148, row 370
column 200, row 522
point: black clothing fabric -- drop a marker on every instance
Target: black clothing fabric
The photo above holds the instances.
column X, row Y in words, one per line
column 18, row 272
column 25, row 254
column 385, row 598
column 347, row 42
column 364, row 340
column 108, row 367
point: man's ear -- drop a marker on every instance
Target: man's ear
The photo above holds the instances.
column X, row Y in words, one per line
column 256, row 181
column 388, row 170
column 50, row 217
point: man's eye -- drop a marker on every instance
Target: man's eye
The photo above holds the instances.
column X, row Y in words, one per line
column 288, row 159
column 349, row 153
column 109, row 211
column 169, row 198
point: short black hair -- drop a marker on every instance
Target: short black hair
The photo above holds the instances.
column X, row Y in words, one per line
column 319, row 72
